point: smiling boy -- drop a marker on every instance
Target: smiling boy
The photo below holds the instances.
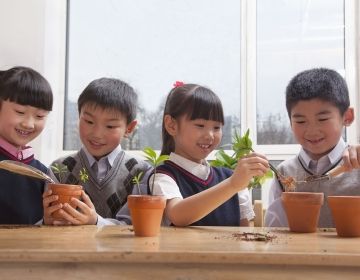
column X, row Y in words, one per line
column 317, row 102
column 107, row 110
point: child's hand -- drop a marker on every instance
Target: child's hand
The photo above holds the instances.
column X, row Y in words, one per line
column 351, row 157
column 48, row 198
column 249, row 166
column 85, row 214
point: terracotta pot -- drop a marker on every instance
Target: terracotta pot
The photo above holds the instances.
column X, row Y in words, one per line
column 65, row 192
column 302, row 210
column 346, row 215
column 146, row 213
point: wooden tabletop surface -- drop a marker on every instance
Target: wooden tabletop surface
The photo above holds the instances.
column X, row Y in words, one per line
column 180, row 245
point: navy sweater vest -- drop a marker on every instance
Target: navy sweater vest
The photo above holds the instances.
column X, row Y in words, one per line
column 21, row 196
column 227, row 214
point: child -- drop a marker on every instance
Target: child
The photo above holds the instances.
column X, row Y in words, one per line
column 25, row 102
column 107, row 111
column 317, row 102
column 198, row 194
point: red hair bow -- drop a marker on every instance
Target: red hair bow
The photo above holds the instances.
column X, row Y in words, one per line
column 178, row 84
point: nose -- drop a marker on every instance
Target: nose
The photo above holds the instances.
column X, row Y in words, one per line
column 210, row 134
column 97, row 131
column 28, row 123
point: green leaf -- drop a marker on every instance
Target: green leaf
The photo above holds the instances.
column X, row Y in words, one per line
column 161, row 159
column 84, row 177
column 150, row 154
column 241, row 145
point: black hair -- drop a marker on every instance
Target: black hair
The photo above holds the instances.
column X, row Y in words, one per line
column 25, row 86
column 321, row 83
column 193, row 101
column 109, row 93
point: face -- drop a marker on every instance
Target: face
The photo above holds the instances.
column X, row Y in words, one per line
column 20, row 124
column 317, row 126
column 194, row 139
column 101, row 130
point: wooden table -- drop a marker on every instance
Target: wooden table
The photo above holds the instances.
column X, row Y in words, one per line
column 112, row 252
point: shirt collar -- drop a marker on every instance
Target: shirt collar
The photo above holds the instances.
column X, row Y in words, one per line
column 17, row 152
column 332, row 157
column 201, row 170
column 110, row 158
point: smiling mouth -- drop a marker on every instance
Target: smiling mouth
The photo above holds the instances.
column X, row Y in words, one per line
column 203, row 146
column 315, row 141
column 23, row 132
column 95, row 144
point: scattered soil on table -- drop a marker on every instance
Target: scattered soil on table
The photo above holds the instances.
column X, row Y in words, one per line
column 254, row 236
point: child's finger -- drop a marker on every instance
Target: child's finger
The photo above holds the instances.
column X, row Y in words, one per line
column 69, row 214
column 86, row 199
column 48, row 200
column 354, row 156
column 47, row 193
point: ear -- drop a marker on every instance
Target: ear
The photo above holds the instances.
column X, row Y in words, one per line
column 170, row 125
column 130, row 128
column 348, row 117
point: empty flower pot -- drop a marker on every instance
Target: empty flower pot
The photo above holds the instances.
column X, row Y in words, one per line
column 346, row 215
column 65, row 192
column 146, row 213
column 302, row 210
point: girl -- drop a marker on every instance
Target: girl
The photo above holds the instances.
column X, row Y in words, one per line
column 198, row 194
column 25, row 102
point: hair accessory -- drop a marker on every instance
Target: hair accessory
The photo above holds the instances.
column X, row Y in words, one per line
column 178, row 84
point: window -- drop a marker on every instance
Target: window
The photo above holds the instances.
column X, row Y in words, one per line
column 150, row 45
column 246, row 51
column 292, row 36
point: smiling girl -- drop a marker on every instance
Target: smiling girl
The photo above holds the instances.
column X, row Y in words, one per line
column 25, row 102
column 198, row 194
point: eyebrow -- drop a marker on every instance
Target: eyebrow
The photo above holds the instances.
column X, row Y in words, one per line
column 325, row 112
column 108, row 120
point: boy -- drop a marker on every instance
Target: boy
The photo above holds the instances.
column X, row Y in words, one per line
column 107, row 111
column 317, row 103
column 25, row 102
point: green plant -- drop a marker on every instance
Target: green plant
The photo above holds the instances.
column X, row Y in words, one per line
column 136, row 180
column 61, row 170
column 84, row 176
column 241, row 147
column 155, row 161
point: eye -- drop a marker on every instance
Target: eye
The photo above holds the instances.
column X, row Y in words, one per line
column 323, row 119
column 40, row 117
column 88, row 121
column 217, row 128
column 19, row 112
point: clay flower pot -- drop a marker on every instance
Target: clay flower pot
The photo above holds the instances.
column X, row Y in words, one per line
column 146, row 213
column 346, row 215
column 302, row 210
column 65, row 192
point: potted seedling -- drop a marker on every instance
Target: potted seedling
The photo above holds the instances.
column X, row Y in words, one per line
column 146, row 210
column 302, row 208
column 65, row 191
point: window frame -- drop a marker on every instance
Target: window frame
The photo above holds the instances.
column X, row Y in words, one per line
column 55, row 54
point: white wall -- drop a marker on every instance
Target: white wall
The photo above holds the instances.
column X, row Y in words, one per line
column 32, row 34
